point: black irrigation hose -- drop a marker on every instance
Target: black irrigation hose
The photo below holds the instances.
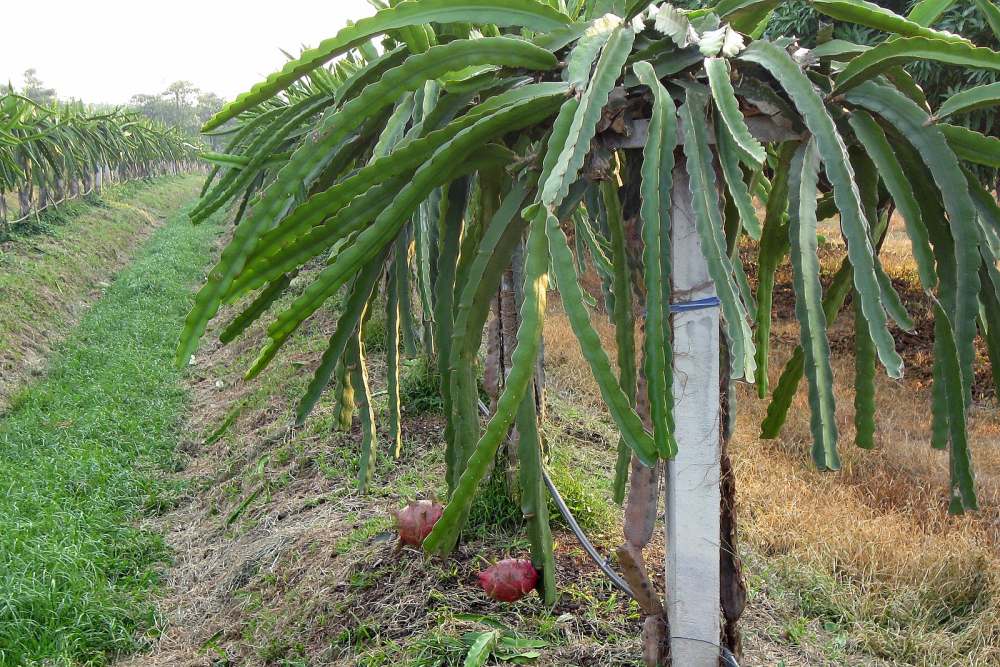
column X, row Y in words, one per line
column 575, row 527
column 586, row 543
column 727, row 656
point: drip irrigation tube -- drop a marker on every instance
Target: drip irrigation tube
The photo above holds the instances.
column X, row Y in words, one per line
column 584, row 541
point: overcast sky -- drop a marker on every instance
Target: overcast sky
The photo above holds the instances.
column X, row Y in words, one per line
column 108, row 50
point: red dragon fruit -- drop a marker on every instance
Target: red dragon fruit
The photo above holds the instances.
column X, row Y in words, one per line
column 509, row 580
column 416, row 520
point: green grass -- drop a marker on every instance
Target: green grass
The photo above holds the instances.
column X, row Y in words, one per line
column 80, row 453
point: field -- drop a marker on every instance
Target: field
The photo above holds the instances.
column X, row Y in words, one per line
column 264, row 543
column 885, row 588
column 568, row 333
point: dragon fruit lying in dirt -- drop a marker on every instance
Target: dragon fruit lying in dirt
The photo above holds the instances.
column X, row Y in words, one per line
column 509, row 580
column 416, row 520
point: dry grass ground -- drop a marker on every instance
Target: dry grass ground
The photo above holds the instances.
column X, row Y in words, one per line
column 866, row 559
column 872, row 548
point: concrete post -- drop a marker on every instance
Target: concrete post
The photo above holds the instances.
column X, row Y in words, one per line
column 693, row 478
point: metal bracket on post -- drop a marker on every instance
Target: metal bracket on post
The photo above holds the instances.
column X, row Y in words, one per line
column 693, row 477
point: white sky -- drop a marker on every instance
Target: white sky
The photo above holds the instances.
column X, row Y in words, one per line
column 108, row 50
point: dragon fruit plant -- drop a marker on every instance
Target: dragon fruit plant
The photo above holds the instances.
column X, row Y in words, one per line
column 429, row 156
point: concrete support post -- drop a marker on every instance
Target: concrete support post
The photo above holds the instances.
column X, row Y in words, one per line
column 693, row 478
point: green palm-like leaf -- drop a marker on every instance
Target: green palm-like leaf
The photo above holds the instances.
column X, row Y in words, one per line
column 738, row 189
column 874, row 140
column 991, row 13
column 312, row 155
column 260, row 151
column 871, row 15
column 729, row 110
column 441, row 168
column 969, row 100
column 788, row 383
column 517, row 13
column 838, row 169
column 896, row 52
column 621, row 311
column 911, row 121
column 773, row 247
column 657, row 183
column 926, row 12
column 571, row 158
column 705, row 199
column 444, row 536
column 479, row 274
column 963, row 491
column 590, row 344
column 990, row 319
column 744, row 15
column 347, row 327
column 271, row 293
column 348, row 206
column 864, row 382
column 809, row 305
column 972, row 146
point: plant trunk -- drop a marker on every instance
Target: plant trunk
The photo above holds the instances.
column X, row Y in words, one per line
column 25, row 191
column 43, row 196
column 4, row 225
column 523, row 456
column 501, row 339
column 733, row 592
column 509, row 322
column 24, row 200
column 493, row 365
column 642, row 509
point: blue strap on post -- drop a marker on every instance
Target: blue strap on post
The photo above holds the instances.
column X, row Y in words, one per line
column 689, row 306
column 697, row 304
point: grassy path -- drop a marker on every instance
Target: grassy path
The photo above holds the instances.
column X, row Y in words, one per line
column 51, row 269
column 80, row 454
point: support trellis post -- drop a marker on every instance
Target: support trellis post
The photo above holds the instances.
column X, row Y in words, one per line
column 693, row 478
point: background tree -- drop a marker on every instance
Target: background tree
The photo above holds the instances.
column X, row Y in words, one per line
column 181, row 105
column 207, row 105
column 181, row 93
column 35, row 90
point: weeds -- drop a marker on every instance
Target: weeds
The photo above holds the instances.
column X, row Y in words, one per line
column 420, row 387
